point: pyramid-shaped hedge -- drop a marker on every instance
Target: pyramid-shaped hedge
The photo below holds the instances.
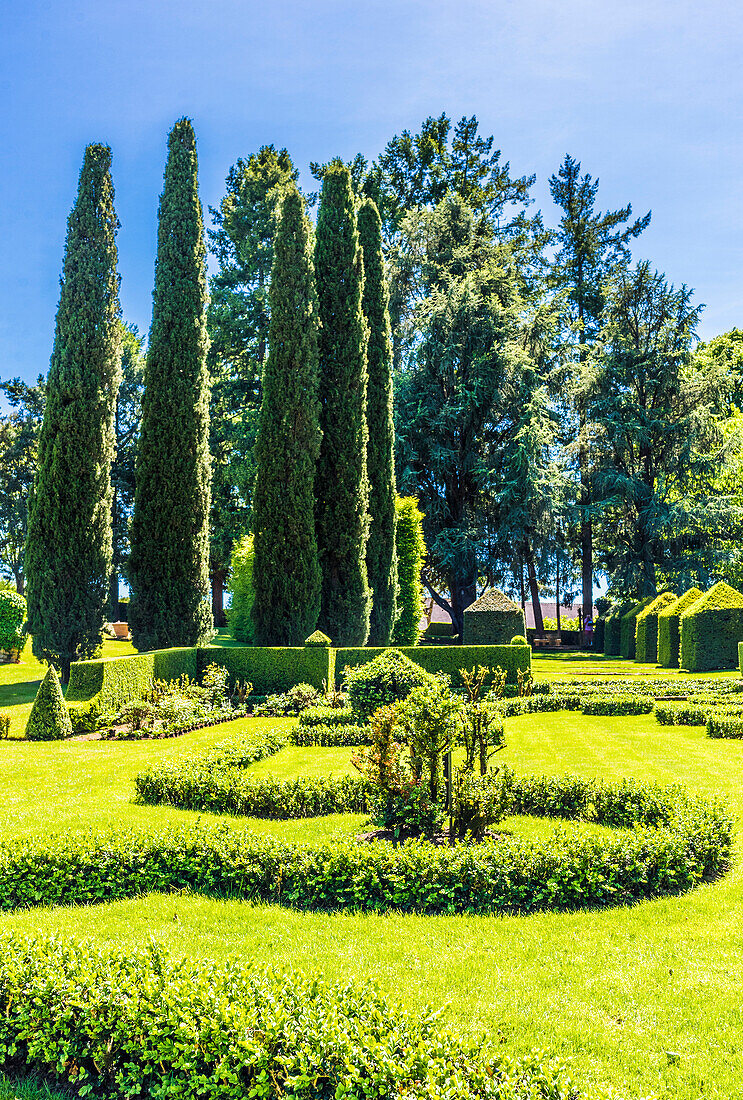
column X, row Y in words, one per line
column 711, row 629
column 613, row 628
column 49, row 719
column 493, row 620
column 627, row 630
column 646, row 628
column 668, row 628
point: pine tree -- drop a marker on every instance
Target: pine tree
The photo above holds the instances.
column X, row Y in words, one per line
column 381, row 557
column 342, row 489
column 68, row 549
column 169, row 562
column 286, row 570
column 411, row 551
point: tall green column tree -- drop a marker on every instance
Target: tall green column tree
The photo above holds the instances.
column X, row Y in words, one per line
column 381, row 557
column 342, row 488
column 68, row 549
column 169, row 561
column 286, row 570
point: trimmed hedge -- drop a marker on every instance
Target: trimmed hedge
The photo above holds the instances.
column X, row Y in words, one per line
column 330, row 736
column 617, row 704
column 679, row 841
column 668, row 628
column 273, row 669
column 724, row 725
column 711, row 629
column 448, row 659
column 627, row 628
column 327, row 716
column 646, row 628
column 613, row 628
column 140, row 1023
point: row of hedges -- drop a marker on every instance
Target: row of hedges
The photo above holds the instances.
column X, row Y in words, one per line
column 331, row 736
column 109, row 683
column 683, row 841
column 669, row 628
column 646, row 629
column 141, row 1023
column 711, row 629
column 448, row 659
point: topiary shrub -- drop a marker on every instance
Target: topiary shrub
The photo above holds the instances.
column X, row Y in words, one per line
column 711, row 629
column 617, row 704
column 389, row 678
column 242, row 591
column 12, row 618
column 613, row 628
column 49, row 719
column 518, row 639
column 627, row 628
column 646, row 628
column 668, row 628
column 318, row 639
column 411, row 553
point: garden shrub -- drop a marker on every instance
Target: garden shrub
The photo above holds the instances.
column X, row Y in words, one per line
column 242, row 591
column 684, row 840
column 627, row 628
column 291, row 703
column 613, row 629
column 668, row 628
column 448, row 659
column 682, row 713
column 328, row 736
column 141, row 1023
column 273, row 669
column 49, row 719
column 4, row 726
column 328, row 716
column 617, row 704
column 724, row 725
column 711, row 628
column 518, row 639
column 319, row 639
column 646, row 628
column 387, row 678
column 411, row 552
column 171, row 664
column 12, row 620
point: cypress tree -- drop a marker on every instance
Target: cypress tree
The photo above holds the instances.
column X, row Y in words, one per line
column 286, row 571
column 169, row 562
column 411, row 550
column 381, row 556
column 342, row 489
column 68, row 548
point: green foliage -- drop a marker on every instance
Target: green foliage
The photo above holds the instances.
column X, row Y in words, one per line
column 493, row 620
column 4, row 726
column 724, row 725
column 287, row 572
column 342, row 487
column 150, row 1025
column 12, row 618
column 448, row 660
column 711, row 629
column 613, row 629
column 411, row 554
column 242, row 590
column 668, row 628
column 123, row 468
column 381, row 553
column 328, row 716
column 387, row 678
column 518, row 639
column 330, row 734
column 273, row 669
column 49, row 719
column 317, row 638
column 646, row 628
column 19, row 443
column 68, row 549
column 627, row 628
column 169, row 562
column 617, row 704
column 289, row 704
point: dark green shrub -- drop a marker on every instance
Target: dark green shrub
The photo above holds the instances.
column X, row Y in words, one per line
column 646, row 628
column 627, row 628
column 273, row 669
column 613, row 629
column 617, row 704
column 12, row 618
column 668, row 628
column 478, row 802
column 492, row 620
column 119, row 1025
column 290, row 703
column 711, row 629
column 49, row 719
column 388, row 678
column 411, row 552
column 518, row 639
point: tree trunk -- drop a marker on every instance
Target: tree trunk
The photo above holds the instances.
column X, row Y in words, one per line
column 462, row 595
column 534, row 590
column 218, row 578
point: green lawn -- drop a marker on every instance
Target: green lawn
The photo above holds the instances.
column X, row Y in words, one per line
column 644, row 1000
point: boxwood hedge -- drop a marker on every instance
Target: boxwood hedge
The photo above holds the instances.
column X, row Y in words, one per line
column 616, row 704
column 272, row 669
column 668, row 628
column 613, row 629
column 627, row 628
column 711, row 629
column 141, row 1023
column 646, row 628
column 448, row 659
column 329, row 736
column 724, row 724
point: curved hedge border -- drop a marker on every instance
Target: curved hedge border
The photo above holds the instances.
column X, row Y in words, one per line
column 675, row 842
column 144, row 1024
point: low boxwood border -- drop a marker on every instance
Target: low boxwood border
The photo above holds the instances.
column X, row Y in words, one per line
column 671, row 842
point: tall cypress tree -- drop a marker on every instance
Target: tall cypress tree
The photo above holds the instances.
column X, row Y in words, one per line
column 286, row 570
column 68, row 549
column 169, row 562
column 342, row 489
column 381, row 557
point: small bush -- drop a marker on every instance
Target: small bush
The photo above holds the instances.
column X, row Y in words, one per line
column 617, row 704
column 328, row 716
column 388, row 678
column 49, row 719
column 4, row 726
column 12, row 620
column 291, row 703
column 518, row 639
column 724, row 725
column 330, row 736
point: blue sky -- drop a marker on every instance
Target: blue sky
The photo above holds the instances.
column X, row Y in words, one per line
column 648, row 95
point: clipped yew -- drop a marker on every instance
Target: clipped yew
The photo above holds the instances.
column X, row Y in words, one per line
column 49, row 719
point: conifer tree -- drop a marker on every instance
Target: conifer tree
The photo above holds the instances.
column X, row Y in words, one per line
column 411, row 551
column 342, row 489
column 68, row 549
column 169, row 561
column 286, row 571
column 381, row 557
column 49, row 719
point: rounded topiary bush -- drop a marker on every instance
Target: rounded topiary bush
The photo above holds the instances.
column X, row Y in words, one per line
column 12, row 619
column 49, row 719
column 518, row 639
column 387, row 679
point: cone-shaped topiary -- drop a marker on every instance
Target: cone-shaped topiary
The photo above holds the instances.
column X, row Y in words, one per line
column 169, row 563
column 646, row 628
column 411, row 551
column 286, row 573
column 68, row 547
column 668, row 628
column 49, row 719
column 710, row 630
column 381, row 554
column 342, row 488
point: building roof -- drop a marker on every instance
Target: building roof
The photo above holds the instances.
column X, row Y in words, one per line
column 493, row 600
